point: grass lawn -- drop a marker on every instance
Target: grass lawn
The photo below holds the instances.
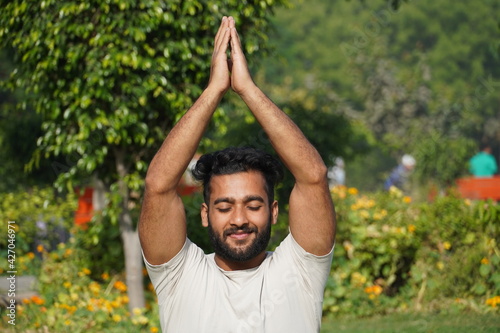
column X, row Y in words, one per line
column 417, row 323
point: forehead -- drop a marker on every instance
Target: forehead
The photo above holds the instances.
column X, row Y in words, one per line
column 238, row 185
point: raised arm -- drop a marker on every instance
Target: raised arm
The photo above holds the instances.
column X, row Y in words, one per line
column 162, row 225
column 311, row 213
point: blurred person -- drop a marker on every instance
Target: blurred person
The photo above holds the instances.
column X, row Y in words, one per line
column 241, row 287
column 483, row 164
column 336, row 173
column 399, row 176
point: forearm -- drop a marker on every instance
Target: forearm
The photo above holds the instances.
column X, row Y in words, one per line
column 296, row 152
column 173, row 157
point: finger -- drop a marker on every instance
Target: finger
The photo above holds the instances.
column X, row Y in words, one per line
column 223, row 42
column 236, row 49
column 222, row 28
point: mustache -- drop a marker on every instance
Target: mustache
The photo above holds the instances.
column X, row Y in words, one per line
column 242, row 229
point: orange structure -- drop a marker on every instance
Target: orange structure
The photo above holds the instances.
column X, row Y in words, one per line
column 479, row 188
column 83, row 214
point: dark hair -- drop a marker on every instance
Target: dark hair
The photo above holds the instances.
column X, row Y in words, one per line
column 484, row 145
column 238, row 159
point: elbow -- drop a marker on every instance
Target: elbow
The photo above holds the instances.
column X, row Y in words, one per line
column 154, row 185
column 150, row 184
column 318, row 174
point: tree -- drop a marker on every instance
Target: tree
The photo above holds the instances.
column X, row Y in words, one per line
column 416, row 75
column 16, row 153
column 109, row 79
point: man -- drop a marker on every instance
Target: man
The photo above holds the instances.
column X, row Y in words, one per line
column 483, row 164
column 240, row 288
column 400, row 174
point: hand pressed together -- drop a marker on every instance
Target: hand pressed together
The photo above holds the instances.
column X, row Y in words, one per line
column 232, row 72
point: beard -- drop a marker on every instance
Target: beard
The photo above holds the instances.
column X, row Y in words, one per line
column 227, row 252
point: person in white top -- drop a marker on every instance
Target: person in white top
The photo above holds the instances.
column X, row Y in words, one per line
column 241, row 287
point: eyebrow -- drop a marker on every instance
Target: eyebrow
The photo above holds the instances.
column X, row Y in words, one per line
column 247, row 199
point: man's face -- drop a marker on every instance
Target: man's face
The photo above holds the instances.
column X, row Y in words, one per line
column 239, row 216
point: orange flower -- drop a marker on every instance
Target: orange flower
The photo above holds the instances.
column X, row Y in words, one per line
column 37, row 300
column 352, row 191
column 412, row 228
column 374, row 290
column 120, row 286
column 40, row 248
column 406, row 199
column 493, row 301
column 485, row 261
column 67, row 252
column 31, row 255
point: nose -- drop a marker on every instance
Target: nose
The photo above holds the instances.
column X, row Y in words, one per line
column 239, row 217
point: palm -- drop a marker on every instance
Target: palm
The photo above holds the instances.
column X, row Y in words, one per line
column 240, row 76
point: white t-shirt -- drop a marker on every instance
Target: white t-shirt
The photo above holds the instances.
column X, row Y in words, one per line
column 283, row 294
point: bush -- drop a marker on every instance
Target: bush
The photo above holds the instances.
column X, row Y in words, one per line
column 392, row 253
column 42, row 220
column 71, row 300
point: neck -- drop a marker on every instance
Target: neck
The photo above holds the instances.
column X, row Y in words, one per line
column 229, row 265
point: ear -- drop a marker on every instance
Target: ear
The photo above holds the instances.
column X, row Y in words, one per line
column 204, row 215
column 274, row 211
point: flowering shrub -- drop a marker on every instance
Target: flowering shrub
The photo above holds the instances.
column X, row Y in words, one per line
column 393, row 254
column 40, row 215
column 70, row 300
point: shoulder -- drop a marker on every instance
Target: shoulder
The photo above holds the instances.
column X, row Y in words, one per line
column 189, row 254
column 290, row 248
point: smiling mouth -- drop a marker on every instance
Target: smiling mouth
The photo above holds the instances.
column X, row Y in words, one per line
column 239, row 234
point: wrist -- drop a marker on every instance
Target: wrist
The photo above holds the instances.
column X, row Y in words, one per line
column 250, row 92
column 247, row 90
column 214, row 92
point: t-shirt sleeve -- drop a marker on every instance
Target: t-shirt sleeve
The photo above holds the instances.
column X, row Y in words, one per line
column 309, row 271
column 164, row 277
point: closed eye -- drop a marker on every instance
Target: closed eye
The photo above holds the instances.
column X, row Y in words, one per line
column 223, row 210
column 254, row 208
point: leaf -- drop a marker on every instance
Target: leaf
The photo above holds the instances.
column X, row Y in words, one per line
column 485, row 270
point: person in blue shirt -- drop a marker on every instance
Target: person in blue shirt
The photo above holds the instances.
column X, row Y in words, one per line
column 400, row 174
column 483, row 164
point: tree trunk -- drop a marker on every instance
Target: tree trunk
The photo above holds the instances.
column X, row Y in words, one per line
column 130, row 241
column 133, row 269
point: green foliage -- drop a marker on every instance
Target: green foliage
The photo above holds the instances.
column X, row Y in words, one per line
column 109, row 78
column 100, row 239
column 14, row 125
column 461, row 240
column 395, row 255
column 78, row 302
column 437, row 164
column 40, row 217
column 416, row 78
column 376, row 246
column 392, row 255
